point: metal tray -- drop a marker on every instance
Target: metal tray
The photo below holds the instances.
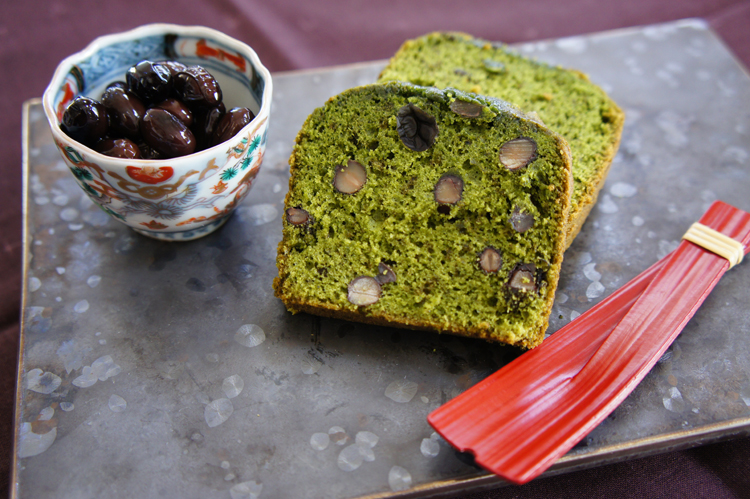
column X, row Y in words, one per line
column 133, row 351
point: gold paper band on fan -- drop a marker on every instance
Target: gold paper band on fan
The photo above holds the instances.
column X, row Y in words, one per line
column 715, row 242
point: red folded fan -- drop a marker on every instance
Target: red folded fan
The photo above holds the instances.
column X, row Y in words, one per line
column 524, row 417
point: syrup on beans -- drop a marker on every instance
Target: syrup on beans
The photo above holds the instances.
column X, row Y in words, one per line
column 161, row 110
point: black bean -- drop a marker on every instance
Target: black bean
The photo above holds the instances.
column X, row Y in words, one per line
column 178, row 109
column 524, row 278
column 204, row 124
column 151, row 81
column 196, row 87
column 449, row 189
column 118, row 148
column 125, row 111
column 231, row 123
column 174, row 66
column 165, row 132
column 466, row 109
column 416, row 128
column 521, row 220
column 85, row 120
column 117, row 84
column 490, row 260
column 148, row 152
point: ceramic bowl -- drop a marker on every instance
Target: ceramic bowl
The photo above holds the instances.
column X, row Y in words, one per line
column 180, row 198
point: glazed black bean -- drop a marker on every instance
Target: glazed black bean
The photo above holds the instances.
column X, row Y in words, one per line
column 151, row 81
column 117, row 84
column 165, row 132
column 178, row 109
column 125, row 111
column 148, row 152
column 163, row 110
column 196, row 87
column 174, row 66
column 231, row 123
column 118, row 148
column 85, row 120
column 205, row 123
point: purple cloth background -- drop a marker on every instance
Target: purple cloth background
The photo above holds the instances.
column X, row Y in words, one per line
column 289, row 34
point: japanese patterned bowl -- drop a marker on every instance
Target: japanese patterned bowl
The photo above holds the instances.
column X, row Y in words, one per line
column 173, row 199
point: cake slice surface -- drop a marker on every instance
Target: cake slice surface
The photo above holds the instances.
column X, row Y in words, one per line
column 564, row 100
column 420, row 208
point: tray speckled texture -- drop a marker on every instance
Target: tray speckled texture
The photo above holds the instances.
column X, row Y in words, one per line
column 154, row 369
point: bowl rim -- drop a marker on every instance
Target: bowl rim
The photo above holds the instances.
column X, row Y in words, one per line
column 64, row 67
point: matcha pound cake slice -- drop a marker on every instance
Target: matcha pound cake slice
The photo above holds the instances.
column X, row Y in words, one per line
column 565, row 100
column 427, row 209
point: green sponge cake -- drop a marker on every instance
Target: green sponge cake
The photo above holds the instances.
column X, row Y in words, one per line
column 414, row 207
column 565, row 100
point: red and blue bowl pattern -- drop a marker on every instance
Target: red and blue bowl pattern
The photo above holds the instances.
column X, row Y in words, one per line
column 179, row 198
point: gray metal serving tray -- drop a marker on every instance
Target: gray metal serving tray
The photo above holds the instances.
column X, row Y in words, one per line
column 133, row 351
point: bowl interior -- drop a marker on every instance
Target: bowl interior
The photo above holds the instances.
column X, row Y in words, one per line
column 241, row 83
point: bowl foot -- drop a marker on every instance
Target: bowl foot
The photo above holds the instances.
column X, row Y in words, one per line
column 185, row 235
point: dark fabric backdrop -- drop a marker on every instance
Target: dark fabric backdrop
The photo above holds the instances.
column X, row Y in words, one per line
column 289, row 34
